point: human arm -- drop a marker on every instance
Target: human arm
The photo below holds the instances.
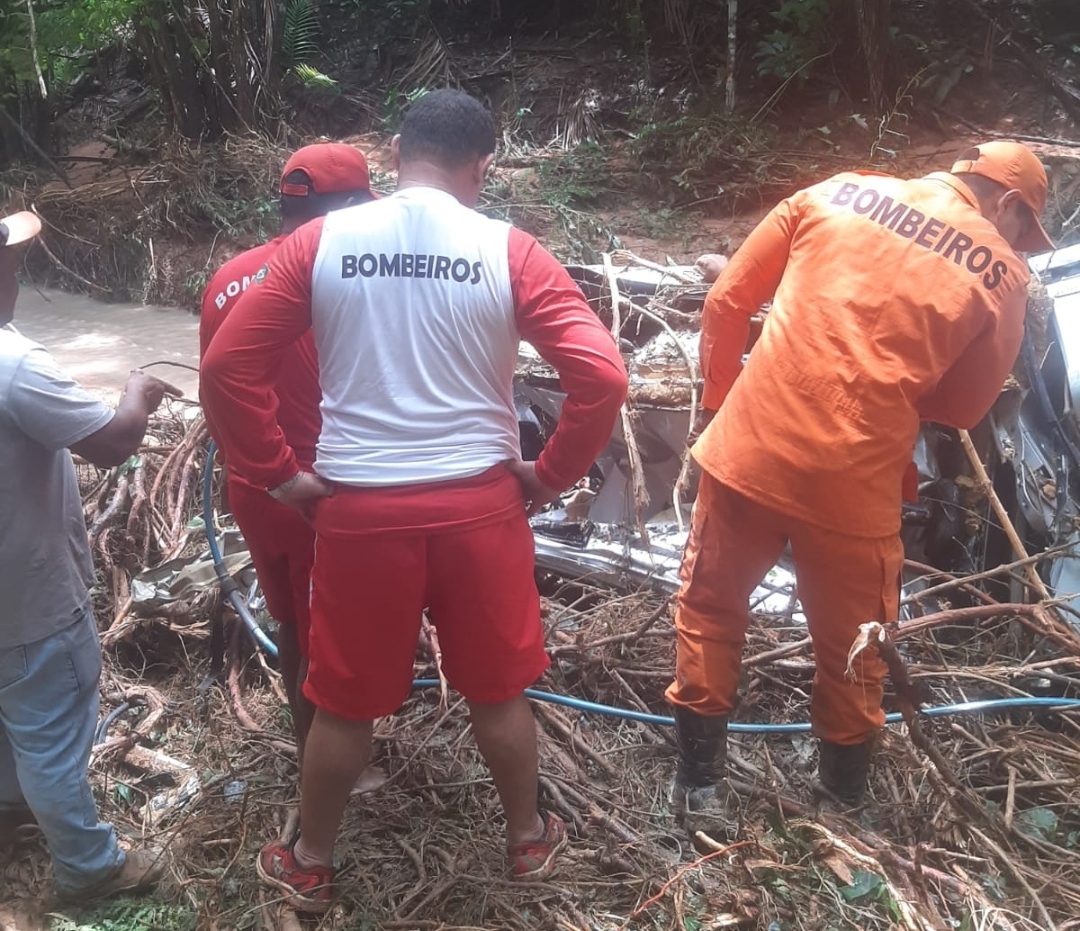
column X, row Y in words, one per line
column 239, row 368
column 746, row 282
column 56, row 412
column 973, row 382
column 121, row 436
column 553, row 315
column 210, row 318
column 710, row 265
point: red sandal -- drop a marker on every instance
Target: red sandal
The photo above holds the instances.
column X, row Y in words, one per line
column 306, row 889
column 534, row 861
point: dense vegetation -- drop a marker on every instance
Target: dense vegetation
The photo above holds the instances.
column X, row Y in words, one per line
column 220, row 65
column 678, row 107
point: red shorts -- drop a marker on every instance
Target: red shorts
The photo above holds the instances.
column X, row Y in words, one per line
column 464, row 550
column 282, row 547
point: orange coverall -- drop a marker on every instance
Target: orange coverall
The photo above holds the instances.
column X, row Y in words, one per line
column 894, row 301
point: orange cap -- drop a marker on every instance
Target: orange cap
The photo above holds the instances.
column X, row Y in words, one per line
column 1016, row 168
column 18, row 228
column 331, row 167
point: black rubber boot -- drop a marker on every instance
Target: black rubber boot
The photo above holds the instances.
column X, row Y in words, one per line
column 843, row 772
column 702, row 798
column 702, row 748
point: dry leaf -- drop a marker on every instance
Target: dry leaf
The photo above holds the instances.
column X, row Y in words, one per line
column 840, row 868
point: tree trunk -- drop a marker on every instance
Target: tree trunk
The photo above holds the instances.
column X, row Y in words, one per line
column 208, row 62
column 244, row 97
column 875, row 54
column 733, row 46
column 179, row 30
column 222, row 63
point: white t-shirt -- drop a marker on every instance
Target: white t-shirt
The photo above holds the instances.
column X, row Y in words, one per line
column 45, row 565
column 414, row 323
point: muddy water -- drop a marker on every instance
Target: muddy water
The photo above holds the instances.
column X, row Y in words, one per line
column 99, row 344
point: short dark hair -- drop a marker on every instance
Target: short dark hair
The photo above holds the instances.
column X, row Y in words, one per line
column 447, row 126
column 301, row 208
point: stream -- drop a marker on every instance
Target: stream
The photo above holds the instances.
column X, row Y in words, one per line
column 98, row 344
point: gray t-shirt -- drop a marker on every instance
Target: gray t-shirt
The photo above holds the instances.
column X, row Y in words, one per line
column 45, row 565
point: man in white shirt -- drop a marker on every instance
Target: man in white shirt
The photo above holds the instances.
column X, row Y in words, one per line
column 50, row 658
column 418, row 494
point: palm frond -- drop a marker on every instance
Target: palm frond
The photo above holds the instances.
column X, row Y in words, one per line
column 313, row 77
column 299, row 31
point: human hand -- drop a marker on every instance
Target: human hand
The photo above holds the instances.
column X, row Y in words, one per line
column 152, row 390
column 710, row 265
column 704, row 418
column 303, row 492
column 537, row 494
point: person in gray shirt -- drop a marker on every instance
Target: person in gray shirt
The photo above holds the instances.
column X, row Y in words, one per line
column 50, row 657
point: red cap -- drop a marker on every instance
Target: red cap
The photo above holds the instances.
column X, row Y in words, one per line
column 331, row 167
column 1016, row 168
column 19, row 227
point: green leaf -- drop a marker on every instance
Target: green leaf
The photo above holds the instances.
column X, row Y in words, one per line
column 132, row 462
column 993, row 888
column 1040, row 823
column 313, row 77
column 298, row 33
column 778, row 824
column 866, row 883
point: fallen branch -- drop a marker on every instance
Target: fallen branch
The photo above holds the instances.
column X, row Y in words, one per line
column 1002, row 515
column 1034, row 616
column 637, row 471
column 1005, row 860
column 555, row 721
column 965, row 582
column 910, row 918
column 682, row 871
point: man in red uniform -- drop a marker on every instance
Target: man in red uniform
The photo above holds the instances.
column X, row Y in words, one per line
column 893, row 302
column 419, row 496
column 317, row 179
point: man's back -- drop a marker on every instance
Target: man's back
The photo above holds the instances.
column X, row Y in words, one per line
column 897, row 301
column 298, row 378
column 45, row 565
column 413, row 313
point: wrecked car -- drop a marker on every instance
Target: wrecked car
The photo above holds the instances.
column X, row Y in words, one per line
column 627, row 522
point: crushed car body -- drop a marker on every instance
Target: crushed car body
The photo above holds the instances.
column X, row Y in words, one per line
column 627, row 523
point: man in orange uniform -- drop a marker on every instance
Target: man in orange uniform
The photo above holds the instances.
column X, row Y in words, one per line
column 893, row 302
column 316, row 179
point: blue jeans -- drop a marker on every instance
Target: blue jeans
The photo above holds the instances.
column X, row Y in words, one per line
column 48, row 714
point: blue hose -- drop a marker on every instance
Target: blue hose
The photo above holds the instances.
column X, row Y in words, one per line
column 232, row 593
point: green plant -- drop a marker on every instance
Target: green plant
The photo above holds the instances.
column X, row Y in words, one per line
column 801, row 36
column 396, row 103
column 579, row 177
column 310, row 76
column 705, row 150
column 391, row 18
column 299, row 31
column 127, row 915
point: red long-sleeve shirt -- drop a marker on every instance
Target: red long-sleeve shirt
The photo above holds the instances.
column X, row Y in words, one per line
column 417, row 305
column 296, row 388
